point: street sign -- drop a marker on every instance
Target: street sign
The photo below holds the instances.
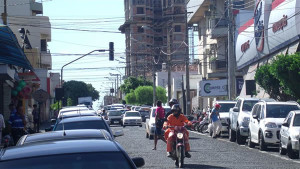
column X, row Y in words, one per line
column 40, row 96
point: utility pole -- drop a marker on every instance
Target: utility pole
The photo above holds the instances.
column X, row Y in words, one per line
column 169, row 61
column 231, row 57
column 4, row 14
column 187, row 70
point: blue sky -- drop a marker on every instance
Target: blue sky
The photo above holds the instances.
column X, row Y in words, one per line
column 91, row 15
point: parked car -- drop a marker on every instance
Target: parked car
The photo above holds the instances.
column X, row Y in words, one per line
column 64, row 135
column 289, row 135
column 239, row 117
column 83, row 153
column 86, row 122
column 114, row 116
column 266, row 121
column 226, row 105
column 150, row 123
column 132, row 118
column 72, row 109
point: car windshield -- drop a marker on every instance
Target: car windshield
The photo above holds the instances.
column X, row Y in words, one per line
column 132, row 114
column 96, row 124
column 297, row 120
column 279, row 111
column 114, row 113
column 248, row 105
column 226, row 106
column 166, row 111
column 109, row 160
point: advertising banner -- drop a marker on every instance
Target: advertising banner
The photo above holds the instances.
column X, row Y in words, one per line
column 210, row 88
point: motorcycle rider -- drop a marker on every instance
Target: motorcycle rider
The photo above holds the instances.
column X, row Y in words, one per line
column 176, row 119
column 171, row 103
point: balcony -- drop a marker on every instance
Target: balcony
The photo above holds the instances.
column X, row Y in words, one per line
column 220, row 29
column 46, row 60
column 36, row 7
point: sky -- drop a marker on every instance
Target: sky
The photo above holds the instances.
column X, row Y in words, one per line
column 93, row 16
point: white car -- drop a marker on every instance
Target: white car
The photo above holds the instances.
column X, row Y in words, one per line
column 150, row 123
column 132, row 118
column 266, row 121
column 289, row 135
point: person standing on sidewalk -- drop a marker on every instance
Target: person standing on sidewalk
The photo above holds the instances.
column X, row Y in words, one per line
column 216, row 122
column 35, row 115
column 17, row 124
column 159, row 121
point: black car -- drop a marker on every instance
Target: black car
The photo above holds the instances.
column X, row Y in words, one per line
column 64, row 135
column 84, row 122
column 68, row 154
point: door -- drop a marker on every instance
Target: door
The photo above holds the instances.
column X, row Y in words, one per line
column 234, row 115
column 284, row 132
column 252, row 120
column 256, row 123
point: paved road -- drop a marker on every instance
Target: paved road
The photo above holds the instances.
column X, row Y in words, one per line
column 206, row 153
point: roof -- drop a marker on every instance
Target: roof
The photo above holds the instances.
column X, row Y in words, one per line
column 77, row 113
column 225, row 101
column 80, row 118
column 282, row 103
column 10, row 50
column 69, row 135
column 59, row 147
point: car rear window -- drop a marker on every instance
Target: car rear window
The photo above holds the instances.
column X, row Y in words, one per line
column 107, row 160
column 114, row 113
column 132, row 114
column 279, row 110
column 96, row 124
column 226, row 106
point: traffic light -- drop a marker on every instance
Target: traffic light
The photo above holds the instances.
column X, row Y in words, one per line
column 111, row 51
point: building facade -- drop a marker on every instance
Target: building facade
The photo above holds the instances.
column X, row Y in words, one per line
column 154, row 30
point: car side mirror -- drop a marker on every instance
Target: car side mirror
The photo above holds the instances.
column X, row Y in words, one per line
column 53, row 121
column 255, row 116
column 285, row 124
column 138, row 161
column 118, row 133
column 235, row 109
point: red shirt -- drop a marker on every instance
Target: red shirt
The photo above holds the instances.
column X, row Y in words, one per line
column 160, row 112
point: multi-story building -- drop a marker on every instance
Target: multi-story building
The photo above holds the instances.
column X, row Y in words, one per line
column 154, row 30
column 27, row 14
column 212, row 19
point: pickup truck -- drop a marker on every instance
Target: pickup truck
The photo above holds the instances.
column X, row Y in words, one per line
column 239, row 117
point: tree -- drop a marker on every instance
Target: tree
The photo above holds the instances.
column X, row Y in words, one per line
column 69, row 102
column 74, row 89
column 144, row 95
column 130, row 98
column 281, row 78
column 131, row 83
column 161, row 94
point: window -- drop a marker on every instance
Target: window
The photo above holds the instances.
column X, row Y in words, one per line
column 140, row 29
column 296, row 120
column 43, row 45
column 255, row 109
column 177, row 10
column 248, row 105
column 178, row 37
column 177, row 28
column 139, row 10
column 279, row 111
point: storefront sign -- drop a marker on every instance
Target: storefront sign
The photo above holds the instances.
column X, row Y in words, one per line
column 213, row 88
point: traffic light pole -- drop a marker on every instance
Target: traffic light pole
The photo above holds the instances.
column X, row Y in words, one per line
column 62, row 68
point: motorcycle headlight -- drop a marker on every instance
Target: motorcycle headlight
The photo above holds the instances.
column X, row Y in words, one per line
column 180, row 135
column 271, row 125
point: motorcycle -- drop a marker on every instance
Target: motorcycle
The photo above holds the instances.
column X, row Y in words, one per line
column 7, row 141
column 203, row 125
column 178, row 151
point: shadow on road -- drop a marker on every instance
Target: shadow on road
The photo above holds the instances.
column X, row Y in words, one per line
column 202, row 166
column 194, row 138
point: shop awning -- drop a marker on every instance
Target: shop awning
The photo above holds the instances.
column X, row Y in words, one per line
column 10, row 50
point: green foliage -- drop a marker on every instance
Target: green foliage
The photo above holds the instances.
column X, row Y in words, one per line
column 130, row 98
column 161, row 94
column 281, row 78
column 131, row 83
column 55, row 106
column 74, row 89
column 144, row 95
column 69, row 102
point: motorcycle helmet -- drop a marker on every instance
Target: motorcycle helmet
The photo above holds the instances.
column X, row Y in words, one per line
column 176, row 107
column 173, row 101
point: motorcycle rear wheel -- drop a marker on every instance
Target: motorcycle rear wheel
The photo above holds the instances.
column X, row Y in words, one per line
column 203, row 128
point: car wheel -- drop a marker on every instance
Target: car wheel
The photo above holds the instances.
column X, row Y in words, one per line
column 262, row 144
column 250, row 143
column 291, row 153
column 282, row 150
column 239, row 138
column 232, row 135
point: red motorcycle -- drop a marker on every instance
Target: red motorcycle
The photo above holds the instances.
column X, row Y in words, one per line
column 178, row 150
